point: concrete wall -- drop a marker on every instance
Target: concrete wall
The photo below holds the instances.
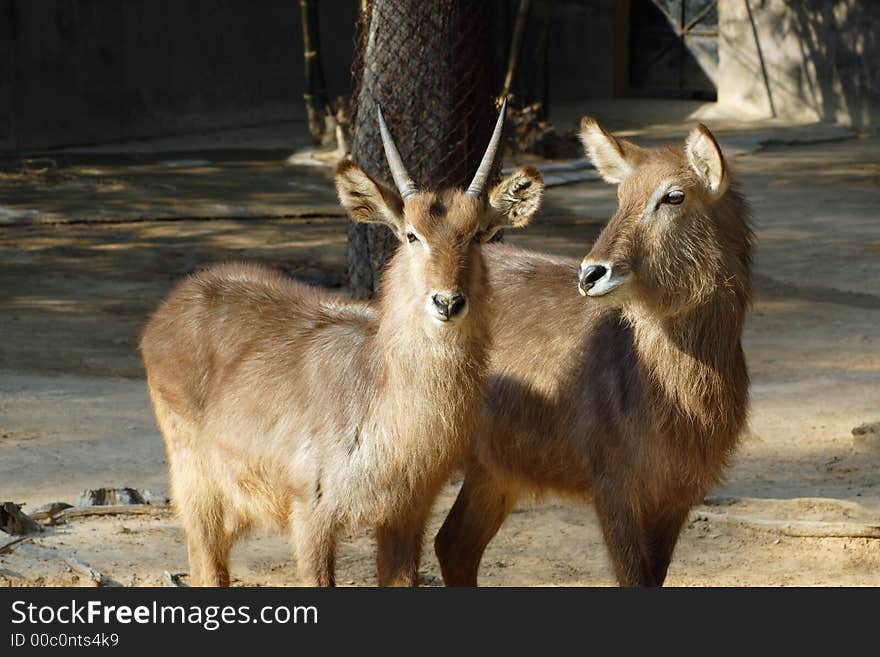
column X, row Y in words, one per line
column 583, row 48
column 821, row 59
column 86, row 71
column 7, row 74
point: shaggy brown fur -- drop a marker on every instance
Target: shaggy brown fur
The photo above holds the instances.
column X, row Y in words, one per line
column 633, row 397
column 288, row 407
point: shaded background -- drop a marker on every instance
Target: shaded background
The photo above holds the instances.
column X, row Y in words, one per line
column 92, row 237
column 88, row 71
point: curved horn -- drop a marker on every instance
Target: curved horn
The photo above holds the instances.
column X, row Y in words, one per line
column 485, row 168
column 405, row 185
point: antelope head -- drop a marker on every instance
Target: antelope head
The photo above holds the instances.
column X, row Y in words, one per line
column 679, row 232
column 441, row 232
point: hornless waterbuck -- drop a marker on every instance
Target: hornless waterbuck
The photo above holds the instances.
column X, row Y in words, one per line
column 288, row 407
column 632, row 395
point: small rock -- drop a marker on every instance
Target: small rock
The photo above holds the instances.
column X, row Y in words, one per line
column 110, row 496
column 173, row 580
column 866, row 437
column 429, row 580
column 13, row 521
column 152, row 498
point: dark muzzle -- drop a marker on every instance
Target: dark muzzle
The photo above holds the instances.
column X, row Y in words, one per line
column 448, row 306
column 587, row 276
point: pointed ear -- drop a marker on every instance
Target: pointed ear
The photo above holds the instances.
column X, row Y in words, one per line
column 367, row 200
column 515, row 201
column 705, row 158
column 613, row 158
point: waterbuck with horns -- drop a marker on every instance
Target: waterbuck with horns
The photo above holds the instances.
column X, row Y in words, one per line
column 634, row 394
column 286, row 407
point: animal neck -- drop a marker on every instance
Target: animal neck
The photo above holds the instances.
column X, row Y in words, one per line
column 693, row 363
column 430, row 377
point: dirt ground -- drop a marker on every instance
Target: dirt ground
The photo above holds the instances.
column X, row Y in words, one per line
column 74, row 412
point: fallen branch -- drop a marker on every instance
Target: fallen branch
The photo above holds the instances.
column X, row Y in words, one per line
column 75, row 565
column 111, row 510
column 7, row 542
column 46, row 513
column 794, row 528
column 843, row 505
column 84, row 569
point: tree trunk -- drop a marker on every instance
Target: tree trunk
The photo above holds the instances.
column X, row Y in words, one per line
column 429, row 66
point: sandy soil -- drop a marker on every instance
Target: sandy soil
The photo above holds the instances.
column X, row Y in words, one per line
column 74, row 412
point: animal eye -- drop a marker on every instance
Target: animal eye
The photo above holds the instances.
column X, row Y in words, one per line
column 411, row 237
column 478, row 236
column 674, row 197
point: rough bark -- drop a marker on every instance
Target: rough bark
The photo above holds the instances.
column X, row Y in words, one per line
column 428, row 64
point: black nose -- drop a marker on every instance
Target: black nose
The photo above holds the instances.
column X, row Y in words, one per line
column 449, row 305
column 589, row 275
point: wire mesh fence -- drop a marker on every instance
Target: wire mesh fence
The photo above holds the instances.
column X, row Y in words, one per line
column 429, row 65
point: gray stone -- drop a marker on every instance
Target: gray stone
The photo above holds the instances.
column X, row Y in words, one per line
column 866, row 437
column 110, row 496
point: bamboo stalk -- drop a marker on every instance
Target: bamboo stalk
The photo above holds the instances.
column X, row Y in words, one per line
column 544, row 58
column 519, row 28
column 315, row 95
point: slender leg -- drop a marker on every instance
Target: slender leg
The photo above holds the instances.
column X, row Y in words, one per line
column 200, row 505
column 314, row 542
column 625, row 541
column 661, row 535
column 482, row 505
column 208, row 540
column 399, row 548
column 208, row 558
column 203, row 515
